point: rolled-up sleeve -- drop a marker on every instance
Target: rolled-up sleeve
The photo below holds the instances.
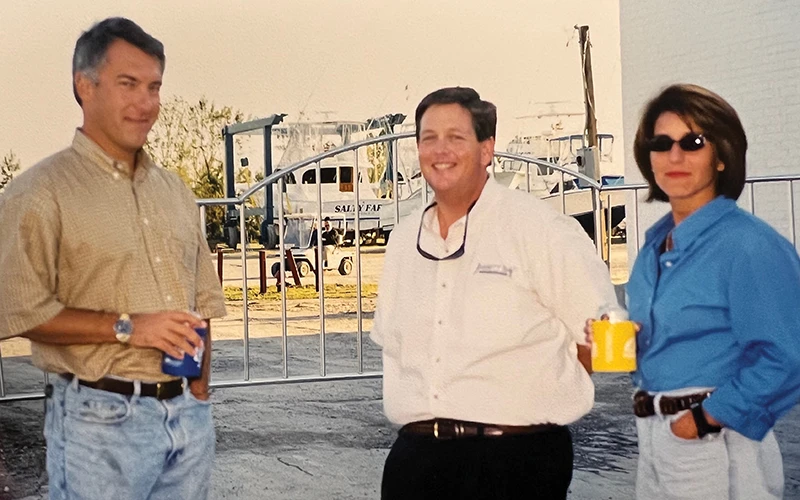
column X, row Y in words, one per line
column 765, row 319
column 30, row 230
column 209, row 300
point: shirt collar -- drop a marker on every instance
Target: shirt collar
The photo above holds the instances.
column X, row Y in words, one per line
column 693, row 226
column 430, row 237
column 90, row 150
column 489, row 193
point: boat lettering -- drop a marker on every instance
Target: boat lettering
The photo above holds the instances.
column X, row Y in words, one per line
column 364, row 207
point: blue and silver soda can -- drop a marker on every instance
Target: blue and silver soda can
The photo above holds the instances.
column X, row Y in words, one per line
column 189, row 366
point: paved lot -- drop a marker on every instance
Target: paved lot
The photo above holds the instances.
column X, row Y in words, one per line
column 329, row 439
column 325, row 439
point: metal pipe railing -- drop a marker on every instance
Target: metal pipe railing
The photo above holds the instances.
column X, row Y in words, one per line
column 282, row 276
column 320, row 268
column 601, row 200
column 245, row 311
column 359, row 312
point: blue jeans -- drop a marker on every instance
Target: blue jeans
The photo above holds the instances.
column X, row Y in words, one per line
column 102, row 445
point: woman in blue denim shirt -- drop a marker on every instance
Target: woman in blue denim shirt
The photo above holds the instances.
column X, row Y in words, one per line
column 714, row 290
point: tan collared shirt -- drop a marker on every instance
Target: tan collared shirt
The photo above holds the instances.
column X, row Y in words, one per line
column 82, row 230
column 490, row 336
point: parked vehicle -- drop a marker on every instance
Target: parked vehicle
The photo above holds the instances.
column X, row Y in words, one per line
column 301, row 238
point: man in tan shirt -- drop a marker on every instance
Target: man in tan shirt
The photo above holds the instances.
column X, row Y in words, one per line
column 103, row 266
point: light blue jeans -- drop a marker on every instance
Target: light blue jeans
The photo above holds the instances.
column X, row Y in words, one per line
column 102, row 445
column 722, row 466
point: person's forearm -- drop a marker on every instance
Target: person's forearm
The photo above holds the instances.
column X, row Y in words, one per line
column 76, row 326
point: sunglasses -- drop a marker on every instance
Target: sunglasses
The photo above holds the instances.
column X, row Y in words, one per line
column 459, row 251
column 689, row 142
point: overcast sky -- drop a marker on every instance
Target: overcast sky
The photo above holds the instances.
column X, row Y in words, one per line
column 355, row 59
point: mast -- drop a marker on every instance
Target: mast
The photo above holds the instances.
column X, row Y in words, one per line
column 590, row 129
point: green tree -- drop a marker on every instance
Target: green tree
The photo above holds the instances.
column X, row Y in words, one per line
column 187, row 139
column 8, row 167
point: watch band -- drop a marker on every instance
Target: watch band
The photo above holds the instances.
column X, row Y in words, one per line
column 703, row 427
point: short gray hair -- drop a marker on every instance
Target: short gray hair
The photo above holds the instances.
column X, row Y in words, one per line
column 92, row 46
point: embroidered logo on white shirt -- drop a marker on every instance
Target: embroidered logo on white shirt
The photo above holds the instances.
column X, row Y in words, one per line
column 494, row 269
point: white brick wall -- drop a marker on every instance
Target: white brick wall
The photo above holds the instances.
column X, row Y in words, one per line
column 749, row 53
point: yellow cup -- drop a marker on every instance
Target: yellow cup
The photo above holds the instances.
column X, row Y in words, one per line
column 614, row 346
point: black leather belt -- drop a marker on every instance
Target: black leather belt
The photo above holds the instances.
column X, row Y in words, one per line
column 644, row 403
column 158, row 390
column 441, row 428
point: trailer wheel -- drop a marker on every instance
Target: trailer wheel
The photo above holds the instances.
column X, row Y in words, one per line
column 303, row 268
column 345, row 266
column 275, row 269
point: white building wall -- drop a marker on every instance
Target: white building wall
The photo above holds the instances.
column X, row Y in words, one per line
column 746, row 51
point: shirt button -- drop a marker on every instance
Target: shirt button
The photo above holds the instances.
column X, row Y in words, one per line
column 169, row 298
column 116, row 176
column 145, row 221
column 158, row 260
column 668, row 263
column 444, row 285
column 435, row 396
column 438, row 359
column 439, row 322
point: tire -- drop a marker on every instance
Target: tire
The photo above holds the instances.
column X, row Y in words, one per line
column 345, row 266
column 275, row 269
column 303, row 268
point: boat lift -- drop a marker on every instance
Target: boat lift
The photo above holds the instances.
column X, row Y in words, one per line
column 231, row 225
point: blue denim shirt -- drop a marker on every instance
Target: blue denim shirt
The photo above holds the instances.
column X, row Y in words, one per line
column 721, row 309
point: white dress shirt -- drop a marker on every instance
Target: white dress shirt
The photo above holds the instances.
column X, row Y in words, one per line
column 490, row 336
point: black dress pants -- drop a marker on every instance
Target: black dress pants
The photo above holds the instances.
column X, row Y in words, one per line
column 530, row 466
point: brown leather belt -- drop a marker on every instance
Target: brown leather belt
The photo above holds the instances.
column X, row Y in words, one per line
column 159, row 390
column 644, row 403
column 442, row 428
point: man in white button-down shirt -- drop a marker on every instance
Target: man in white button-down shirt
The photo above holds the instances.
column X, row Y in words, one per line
column 480, row 314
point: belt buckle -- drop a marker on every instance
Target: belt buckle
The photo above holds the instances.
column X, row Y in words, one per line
column 440, row 432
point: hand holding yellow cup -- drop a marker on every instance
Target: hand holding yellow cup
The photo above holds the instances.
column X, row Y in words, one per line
column 614, row 345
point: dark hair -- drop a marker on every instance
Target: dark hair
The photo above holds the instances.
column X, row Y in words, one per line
column 92, row 46
column 326, row 219
column 718, row 122
column 484, row 113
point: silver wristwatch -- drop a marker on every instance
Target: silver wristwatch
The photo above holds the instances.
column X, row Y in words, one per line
column 123, row 328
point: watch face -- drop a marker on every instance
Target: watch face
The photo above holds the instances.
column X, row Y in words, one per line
column 123, row 326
